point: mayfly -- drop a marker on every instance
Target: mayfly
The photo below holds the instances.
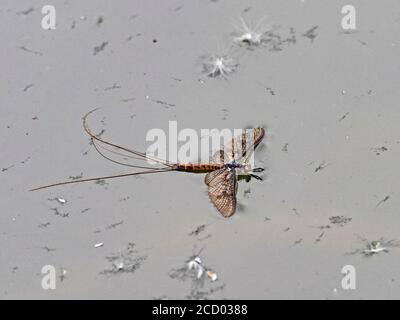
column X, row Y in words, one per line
column 222, row 172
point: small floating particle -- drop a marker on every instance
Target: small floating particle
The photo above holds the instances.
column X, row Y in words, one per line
column 98, row 245
column 100, row 20
column 321, row 166
column 27, row 87
column 198, row 230
column 311, row 33
column 100, row 47
column 61, row 200
column 344, row 116
column 379, row 150
column 382, row 201
column 270, row 90
column 212, row 275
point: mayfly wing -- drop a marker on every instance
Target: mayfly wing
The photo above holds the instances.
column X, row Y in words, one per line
column 219, row 157
column 242, row 146
column 212, row 175
column 222, row 189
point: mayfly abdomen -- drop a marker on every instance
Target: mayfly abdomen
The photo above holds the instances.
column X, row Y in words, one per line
column 199, row 167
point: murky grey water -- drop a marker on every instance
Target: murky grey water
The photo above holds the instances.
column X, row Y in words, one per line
column 328, row 99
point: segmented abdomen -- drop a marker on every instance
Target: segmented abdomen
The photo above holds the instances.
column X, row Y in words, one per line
column 198, row 167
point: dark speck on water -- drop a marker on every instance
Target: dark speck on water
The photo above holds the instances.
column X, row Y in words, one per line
column 101, row 182
column 311, row 33
column 25, row 12
column 340, row 220
column 27, row 87
column 297, row 242
column 127, row 99
column 271, row 91
column 166, row 104
column 319, row 237
column 76, row 177
column 383, row 200
column 321, row 166
column 114, row 86
column 344, row 116
column 100, row 48
column 7, row 168
column 379, row 150
column 100, row 20
column 60, row 214
column 198, row 230
column 114, row 225
column 44, row 225
column 48, row 249
column 23, row 48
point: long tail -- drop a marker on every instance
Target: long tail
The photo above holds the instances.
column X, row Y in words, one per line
column 166, row 165
column 138, row 154
column 102, row 178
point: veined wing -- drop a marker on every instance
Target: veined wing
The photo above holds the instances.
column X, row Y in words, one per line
column 219, row 157
column 242, row 146
column 222, row 189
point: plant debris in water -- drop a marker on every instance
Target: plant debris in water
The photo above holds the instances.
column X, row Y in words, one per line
column 344, row 116
column 80, row 176
column 200, row 276
column 311, row 33
column 321, row 166
column 99, row 48
column 383, row 201
column 59, row 213
column 218, row 66
column 340, row 220
column 379, row 150
column 373, row 247
column 276, row 41
column 125, row 261
column 249, row 34
column 198, row 230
